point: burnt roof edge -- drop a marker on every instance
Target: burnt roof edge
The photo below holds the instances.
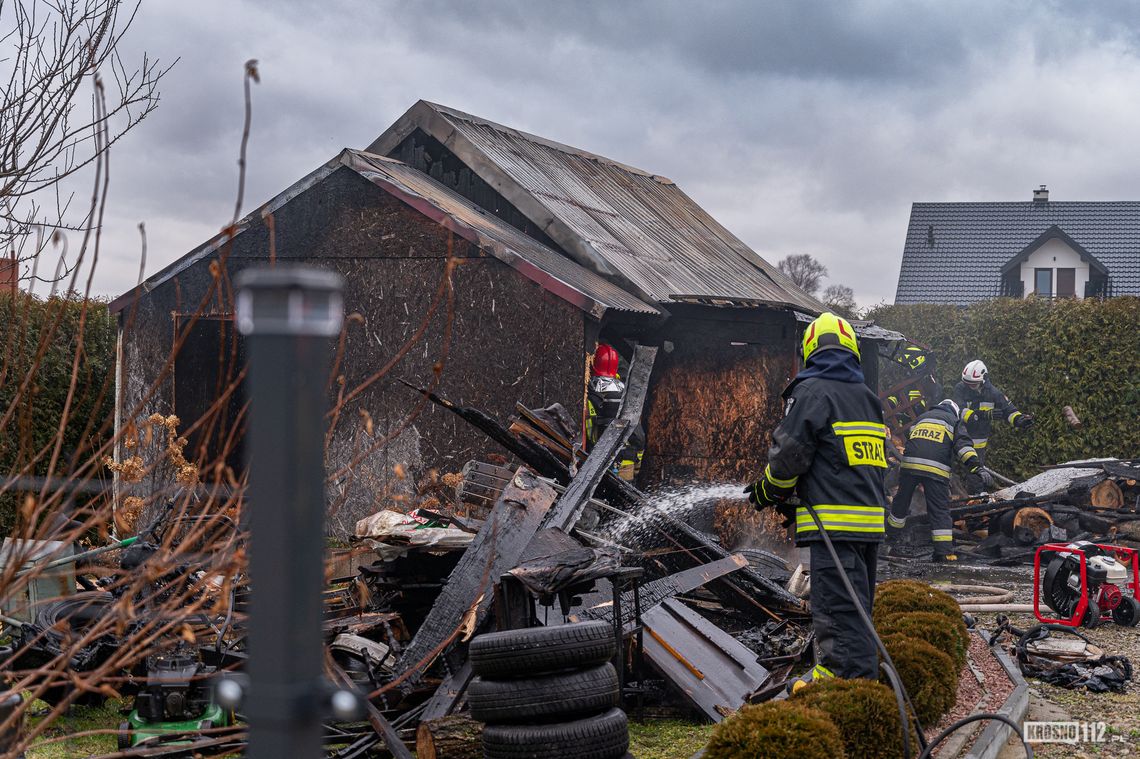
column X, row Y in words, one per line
column 434, row 119
column 437, row 123
column 347, row 158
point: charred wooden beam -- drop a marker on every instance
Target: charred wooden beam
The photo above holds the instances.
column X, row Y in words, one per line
column 531, row 454
column 748, row 584
column 448, row 693
column 466, row 598
column 568, row 510
column 376, row 718
column 657, row 591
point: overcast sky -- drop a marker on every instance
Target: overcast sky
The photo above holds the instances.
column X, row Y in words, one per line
column 804, row 127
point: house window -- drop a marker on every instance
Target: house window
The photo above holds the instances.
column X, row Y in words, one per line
column 1066, row 283
column 1043, row 282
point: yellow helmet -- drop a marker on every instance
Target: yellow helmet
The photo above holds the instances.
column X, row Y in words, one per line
column 829, row 331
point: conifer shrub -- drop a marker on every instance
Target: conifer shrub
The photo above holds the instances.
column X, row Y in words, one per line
column 1045, row 354
column 928, row 675
column 946, row 634
column 776, row 728
column 866, row 713
column 907, row 596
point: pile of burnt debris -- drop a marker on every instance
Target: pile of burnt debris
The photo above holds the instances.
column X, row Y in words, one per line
column 1093, row 500
column 556, row 538
column 562, row 539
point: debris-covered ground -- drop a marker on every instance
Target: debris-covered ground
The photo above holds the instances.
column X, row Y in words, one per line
column 1120, row 713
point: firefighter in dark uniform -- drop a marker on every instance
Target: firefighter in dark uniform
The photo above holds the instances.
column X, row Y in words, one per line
column 980, row 402
column 829, row 450
column 604, row 398
column 915, row 359
column 937, row 437
column 917, row 405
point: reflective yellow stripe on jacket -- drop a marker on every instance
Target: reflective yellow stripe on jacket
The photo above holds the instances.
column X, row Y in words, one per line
column 838, row 518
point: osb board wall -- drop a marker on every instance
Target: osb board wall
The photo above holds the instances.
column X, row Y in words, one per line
column 510, row 340
column 711, row 412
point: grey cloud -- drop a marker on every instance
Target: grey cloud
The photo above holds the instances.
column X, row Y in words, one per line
column 802, row 126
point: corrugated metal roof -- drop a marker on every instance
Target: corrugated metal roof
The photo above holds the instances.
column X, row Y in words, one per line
column 537, row 262
column 954, row 252
column 547, row 267
column 631, row 226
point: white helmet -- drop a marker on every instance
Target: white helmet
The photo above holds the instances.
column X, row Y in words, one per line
column 975, row 373
column 950, row 405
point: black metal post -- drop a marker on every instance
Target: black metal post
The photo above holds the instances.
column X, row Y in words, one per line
column 289, row 317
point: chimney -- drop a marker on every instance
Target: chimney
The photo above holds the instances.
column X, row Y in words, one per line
column 1041, row 195
column 9, row 275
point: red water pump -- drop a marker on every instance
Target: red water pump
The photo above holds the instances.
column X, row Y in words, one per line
column 1084, row 583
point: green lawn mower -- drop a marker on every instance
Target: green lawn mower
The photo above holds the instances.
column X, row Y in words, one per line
column 175, row 700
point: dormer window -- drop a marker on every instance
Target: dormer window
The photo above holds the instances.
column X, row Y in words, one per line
column 1052, row 266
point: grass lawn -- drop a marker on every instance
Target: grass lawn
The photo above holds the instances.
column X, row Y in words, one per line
column 80, row 719
column 667, row 738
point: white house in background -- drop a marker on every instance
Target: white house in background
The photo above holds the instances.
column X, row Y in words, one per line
column 965, row 252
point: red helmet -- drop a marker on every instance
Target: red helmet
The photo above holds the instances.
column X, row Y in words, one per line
column 605, row 361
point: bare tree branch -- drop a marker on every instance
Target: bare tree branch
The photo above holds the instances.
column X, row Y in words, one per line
column 50, row 54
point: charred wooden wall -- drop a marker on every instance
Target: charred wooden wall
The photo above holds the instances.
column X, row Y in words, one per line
column 715, row 394
column 714, row 401
column 509, row 339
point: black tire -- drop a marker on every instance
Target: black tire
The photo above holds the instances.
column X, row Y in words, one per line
column 73, row 615
column 1127, row 614
column 603, row 737
column 544, row 699
column 124, row 736
column 768, row 564
column 542, row 650
column 1092, row 616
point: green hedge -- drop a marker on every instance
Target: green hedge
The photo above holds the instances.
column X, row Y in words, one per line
column 28, row 324
column 1045, row 355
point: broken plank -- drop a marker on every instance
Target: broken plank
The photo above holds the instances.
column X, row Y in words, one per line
column 657, row 591
column 376, row 718
column 713, row 669
column 568, row 510
column 497, row 547
column 448, row 693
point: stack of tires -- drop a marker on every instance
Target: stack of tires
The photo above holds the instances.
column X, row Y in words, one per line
column 548, row 692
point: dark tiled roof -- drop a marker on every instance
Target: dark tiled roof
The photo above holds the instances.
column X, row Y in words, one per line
column 633, row 227
column 972, row 241
column 548, row 268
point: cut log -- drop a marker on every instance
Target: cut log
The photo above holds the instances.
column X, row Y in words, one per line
column 1129, row 530
column 1097, row 491
column 449, row 738
column 1026, row 525
column 1106, row 495
column 1071, row 417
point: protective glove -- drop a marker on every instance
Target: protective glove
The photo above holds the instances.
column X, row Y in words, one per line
column 757, row 497
column 760, row 501
column 987, row 479
column 1024, row 422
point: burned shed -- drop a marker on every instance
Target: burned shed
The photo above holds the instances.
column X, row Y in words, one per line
column 484, row 263
column 729, row 342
